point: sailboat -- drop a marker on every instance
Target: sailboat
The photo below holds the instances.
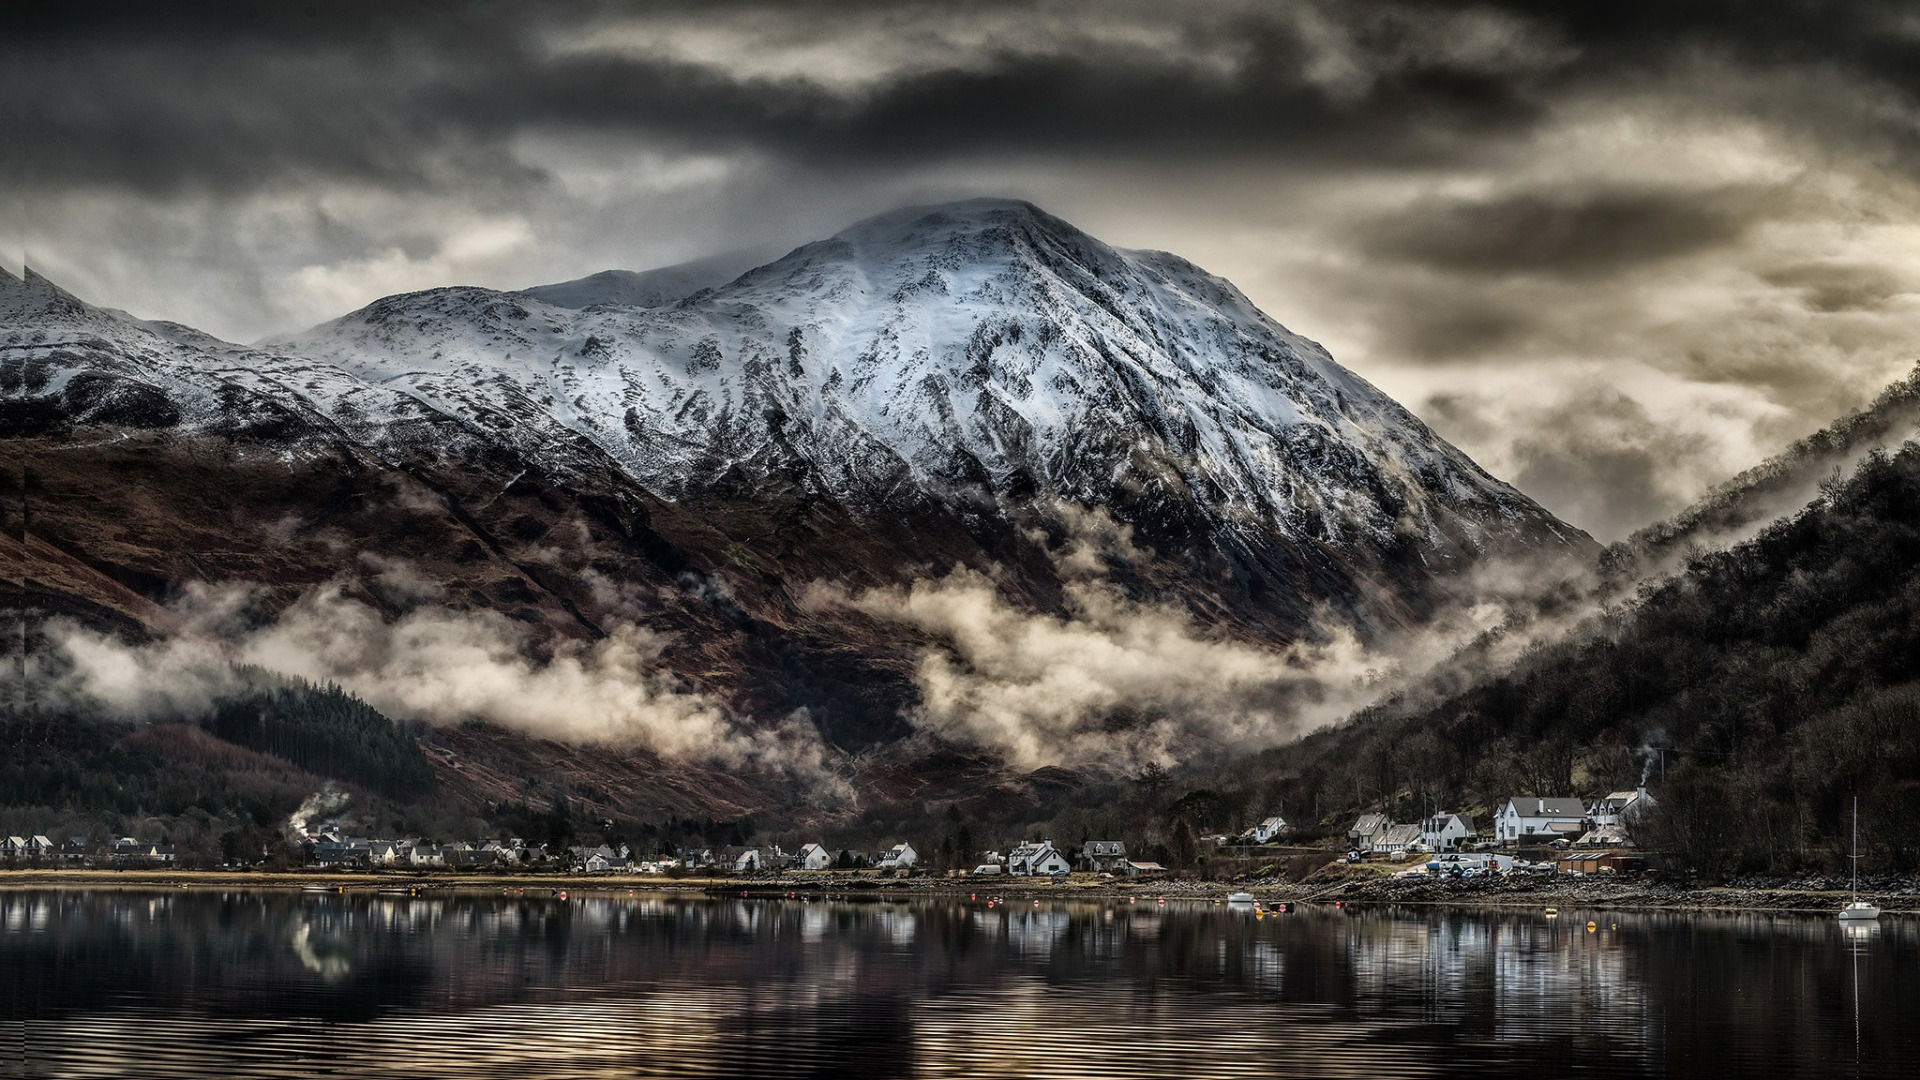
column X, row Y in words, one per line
column 1858, row 910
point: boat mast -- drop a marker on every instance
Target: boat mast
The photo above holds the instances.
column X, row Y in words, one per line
column 1855, row 857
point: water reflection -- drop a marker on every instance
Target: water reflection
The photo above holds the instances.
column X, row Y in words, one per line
column 112, row 983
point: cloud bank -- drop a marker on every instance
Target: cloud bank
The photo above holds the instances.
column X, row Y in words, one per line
column 434, row 665
column 1110, row 681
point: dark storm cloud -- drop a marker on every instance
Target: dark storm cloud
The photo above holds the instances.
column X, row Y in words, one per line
column 156, row 96
column 1565, row 234
column 1830, row 288
column 233, row 95
column 1700, row 201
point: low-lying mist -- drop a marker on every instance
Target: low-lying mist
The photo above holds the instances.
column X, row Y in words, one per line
column 1115, row 682
column 432, row 664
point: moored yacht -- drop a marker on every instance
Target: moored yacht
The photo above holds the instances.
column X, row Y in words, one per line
column 1857, row 910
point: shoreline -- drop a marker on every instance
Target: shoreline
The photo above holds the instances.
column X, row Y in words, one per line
column 1372, row 892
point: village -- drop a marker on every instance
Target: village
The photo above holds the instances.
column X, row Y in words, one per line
column 1528, row 834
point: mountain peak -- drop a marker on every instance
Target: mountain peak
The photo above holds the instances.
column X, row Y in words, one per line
column 979, row 226
column 958, row 216
column 981, row 353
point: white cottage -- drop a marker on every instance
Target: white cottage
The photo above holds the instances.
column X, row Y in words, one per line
column 1446, row 832
column 1266, row 831
column 813, row 857
column 1396, row 839
column 899, row 857
column 1029, row 860
column 1620, row 808
column 1530, row 818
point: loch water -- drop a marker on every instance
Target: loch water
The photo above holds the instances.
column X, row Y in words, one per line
column 244, row 983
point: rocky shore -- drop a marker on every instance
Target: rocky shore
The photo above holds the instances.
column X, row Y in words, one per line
column 1342, row 885
column 1893, row 896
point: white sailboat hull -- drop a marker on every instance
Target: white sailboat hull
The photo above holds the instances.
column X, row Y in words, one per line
column 1859, row 911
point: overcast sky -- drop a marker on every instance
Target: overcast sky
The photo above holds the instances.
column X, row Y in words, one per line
column 1616, row 251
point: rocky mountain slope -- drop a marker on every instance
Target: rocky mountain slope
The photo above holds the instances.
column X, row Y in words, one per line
column 991, row 358
column 935, row 388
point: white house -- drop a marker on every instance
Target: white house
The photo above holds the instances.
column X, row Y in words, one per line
column 749, row 861
column 1266, row 831
column 1028, row 860
column 1619, row 808
column 1530, row 817
column 1366, row 830
column 1395, row 839
column 899, row 857
column 813, row 857
column 1446, row 832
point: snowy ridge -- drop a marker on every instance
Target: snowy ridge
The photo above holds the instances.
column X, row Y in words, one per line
column 648, row 288
column 964, row 366
column 982, row 349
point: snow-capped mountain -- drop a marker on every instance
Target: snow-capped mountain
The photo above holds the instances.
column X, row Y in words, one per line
column 695, row 448
column 982, row 358
column 983, row 353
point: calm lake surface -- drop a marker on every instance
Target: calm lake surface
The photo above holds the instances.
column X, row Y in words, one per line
column 244, row 984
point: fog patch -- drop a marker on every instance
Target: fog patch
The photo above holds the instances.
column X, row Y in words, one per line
column 1114, row 681
column 1111, row 681
column 434, row 665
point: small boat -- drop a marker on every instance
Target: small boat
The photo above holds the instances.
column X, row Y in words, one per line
column 1857, row 910
column 1552, row 912
column 1240, row 898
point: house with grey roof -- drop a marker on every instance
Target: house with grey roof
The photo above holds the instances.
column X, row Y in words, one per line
column 1532, row 819
column 1366, row 830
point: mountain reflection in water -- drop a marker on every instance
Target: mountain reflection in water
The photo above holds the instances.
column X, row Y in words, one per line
column 280, row 984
